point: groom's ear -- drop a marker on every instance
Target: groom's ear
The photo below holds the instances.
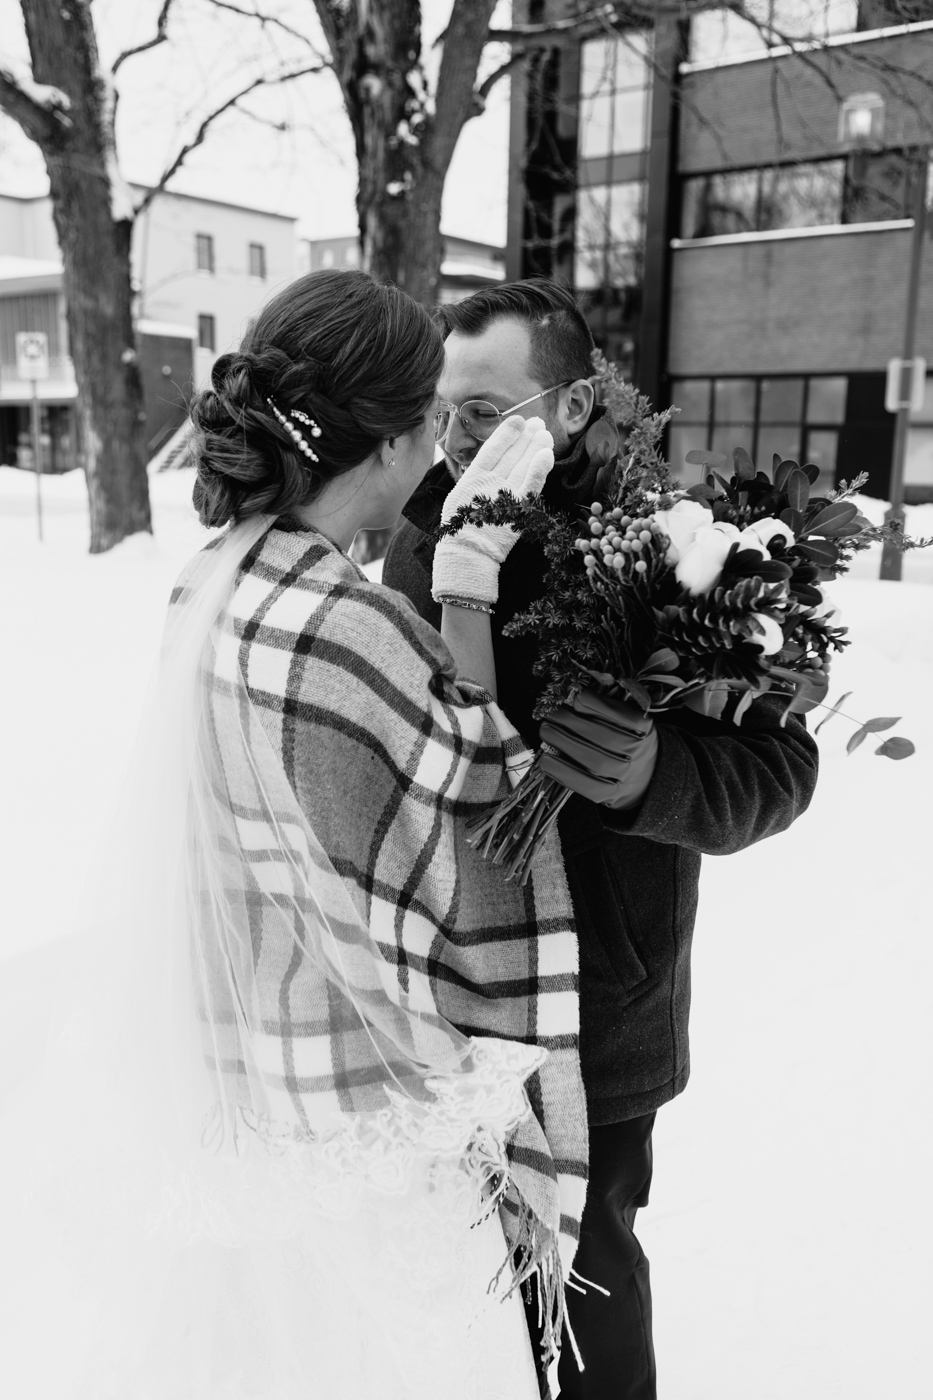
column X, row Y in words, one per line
column 578, row 406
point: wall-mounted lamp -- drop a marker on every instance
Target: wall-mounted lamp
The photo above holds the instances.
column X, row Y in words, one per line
column 861, row 122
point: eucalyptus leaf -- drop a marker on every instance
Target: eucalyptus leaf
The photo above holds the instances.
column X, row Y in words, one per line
column 895, row 748
column 699, row 457
column 834, row 710
column 875, row 726
column 703, row 493
column 858, row 737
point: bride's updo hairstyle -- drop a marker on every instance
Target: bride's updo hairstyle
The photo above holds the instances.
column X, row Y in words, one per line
column 359, row 359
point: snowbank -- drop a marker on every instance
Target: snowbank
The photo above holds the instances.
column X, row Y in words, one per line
column 790, row 1228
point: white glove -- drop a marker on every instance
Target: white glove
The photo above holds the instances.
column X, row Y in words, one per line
column 516, row 458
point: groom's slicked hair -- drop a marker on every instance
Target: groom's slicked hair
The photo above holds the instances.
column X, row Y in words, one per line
column 561, row 341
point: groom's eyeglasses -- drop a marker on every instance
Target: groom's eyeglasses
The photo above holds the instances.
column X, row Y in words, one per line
column 479, row 418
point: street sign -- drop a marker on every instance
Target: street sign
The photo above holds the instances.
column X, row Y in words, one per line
column 906, row 384
column 32, row 355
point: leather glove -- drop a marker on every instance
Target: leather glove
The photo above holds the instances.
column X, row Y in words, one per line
column 607, row 749
column 517, row 458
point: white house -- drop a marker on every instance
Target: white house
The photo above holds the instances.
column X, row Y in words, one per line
column 201, row 268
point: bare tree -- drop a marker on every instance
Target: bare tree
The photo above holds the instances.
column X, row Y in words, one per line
column 66, row 104
column 404, row 134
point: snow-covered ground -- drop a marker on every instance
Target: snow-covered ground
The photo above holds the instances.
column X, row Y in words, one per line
column 790, row 1230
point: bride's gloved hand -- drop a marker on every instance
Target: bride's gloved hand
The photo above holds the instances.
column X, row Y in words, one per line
column 517, row 458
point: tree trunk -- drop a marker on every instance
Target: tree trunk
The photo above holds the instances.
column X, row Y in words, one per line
column 404, row 140
column 94, row 224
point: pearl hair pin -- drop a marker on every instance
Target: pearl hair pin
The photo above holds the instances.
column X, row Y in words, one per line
column 295, row 433
column 308, row 422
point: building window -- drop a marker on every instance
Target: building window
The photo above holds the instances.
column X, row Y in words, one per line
column 207, row 333
column 717, row 35
column 257, row 260
column 918, row 469
column 790, row 416
column 610, row 236
column 204, row 252
column 614, row 84
column 808, row 195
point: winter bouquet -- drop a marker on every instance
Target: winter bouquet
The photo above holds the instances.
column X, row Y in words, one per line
column 707, row 597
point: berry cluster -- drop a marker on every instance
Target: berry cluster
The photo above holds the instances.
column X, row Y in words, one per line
column 619, row 541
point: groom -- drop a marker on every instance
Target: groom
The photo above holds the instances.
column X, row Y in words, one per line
column 651, row 798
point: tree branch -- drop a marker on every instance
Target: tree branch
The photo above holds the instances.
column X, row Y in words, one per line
column 264, row 19
column 486, row 86
column 209, row 120
column 160, row 37
column 41, row 111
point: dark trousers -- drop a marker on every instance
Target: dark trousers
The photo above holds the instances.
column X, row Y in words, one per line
column 614, row 1333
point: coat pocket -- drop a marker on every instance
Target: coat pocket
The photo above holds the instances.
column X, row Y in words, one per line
column 604, row 926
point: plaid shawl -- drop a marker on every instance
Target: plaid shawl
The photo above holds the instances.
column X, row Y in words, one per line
column 389, row 754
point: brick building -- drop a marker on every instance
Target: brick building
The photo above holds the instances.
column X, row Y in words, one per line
column 690, row 184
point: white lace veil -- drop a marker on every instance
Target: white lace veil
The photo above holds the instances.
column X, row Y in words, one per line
column 170, row 1106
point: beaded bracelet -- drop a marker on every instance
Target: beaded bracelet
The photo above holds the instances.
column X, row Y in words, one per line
column 470, row 603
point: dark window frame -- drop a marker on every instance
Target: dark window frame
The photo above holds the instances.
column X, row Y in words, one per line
column 802, row 425
column 204, row 242
column 852, row 183
column 260, row 250
column 207, row 331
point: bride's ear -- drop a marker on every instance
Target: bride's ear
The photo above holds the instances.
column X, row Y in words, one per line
column 387, row 451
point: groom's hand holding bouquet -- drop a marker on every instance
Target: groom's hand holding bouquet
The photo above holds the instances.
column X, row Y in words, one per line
column 705, row 598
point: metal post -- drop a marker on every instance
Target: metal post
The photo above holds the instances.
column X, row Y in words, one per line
column 37, row 452
column 891, row 557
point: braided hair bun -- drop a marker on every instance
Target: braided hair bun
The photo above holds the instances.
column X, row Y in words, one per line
column 362, row 360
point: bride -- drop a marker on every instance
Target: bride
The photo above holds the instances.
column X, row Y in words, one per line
column 319, row 1111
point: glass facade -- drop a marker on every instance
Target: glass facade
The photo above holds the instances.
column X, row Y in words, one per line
column 805, row 195
column 615, row 92
column 614, row 87
column 796, row 416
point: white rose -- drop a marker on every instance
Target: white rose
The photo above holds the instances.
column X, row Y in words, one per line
column 701, row 564
column 770, row 637
column 827, row 610
column 680, row 524
column 749, row 539
column 767, row 528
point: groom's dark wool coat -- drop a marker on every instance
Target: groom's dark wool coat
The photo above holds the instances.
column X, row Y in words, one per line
column 633, row 877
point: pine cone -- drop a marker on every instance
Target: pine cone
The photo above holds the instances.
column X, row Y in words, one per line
column 717, row 621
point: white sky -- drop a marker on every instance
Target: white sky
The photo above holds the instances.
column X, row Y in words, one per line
column 308, row 171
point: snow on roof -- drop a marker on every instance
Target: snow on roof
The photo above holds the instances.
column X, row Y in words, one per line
column 12, row 267
column 490, row 272
column 170, row 328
